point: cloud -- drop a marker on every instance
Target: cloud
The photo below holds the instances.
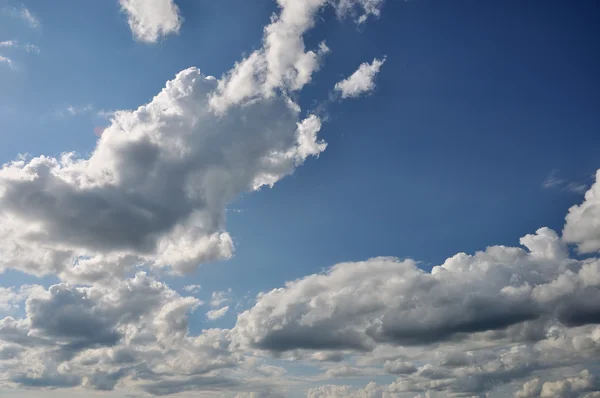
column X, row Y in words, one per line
column 8, row 43
column 74, row 110
column 360, row 9
column 216, row 314
column 28, row 16
column 582, row 227
column 281, row 63
column 98, row 335
column 218, row 298
column 476, row 321
column 563, row 388
column 386, row 300
column 150, row 20
column 5, row 60
column 158, row 182
column 192, row 288
column 553, row 181
column 361, row 81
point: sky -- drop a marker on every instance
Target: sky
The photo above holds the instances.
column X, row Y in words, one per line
column 299, row 198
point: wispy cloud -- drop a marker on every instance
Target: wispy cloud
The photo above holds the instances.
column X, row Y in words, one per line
column 6, row 61
column 31, row 19
column 30, row 48
column 554, row 181
column 24, row 14
column 8, row 43
column 216, row 314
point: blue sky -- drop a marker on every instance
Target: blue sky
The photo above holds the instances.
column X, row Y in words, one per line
column 481, row 127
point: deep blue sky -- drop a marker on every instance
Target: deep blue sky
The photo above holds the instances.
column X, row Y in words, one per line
column 477, row 103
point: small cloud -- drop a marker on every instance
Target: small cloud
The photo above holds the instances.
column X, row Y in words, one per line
column 24, row 14
column 32, row 48
column 576, row 187
column 7, row 61
column 8, row 43
column 361, row 81
column 554, row 181
column 219, row 298
column 29, row 17
column 216, row 314
column 192, row 288
column 151, row 20
column 105, row 114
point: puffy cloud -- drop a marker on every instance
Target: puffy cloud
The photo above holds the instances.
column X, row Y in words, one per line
column 96, row 336
column 357, row 305
column 149, row 20
column 216, row 314
column 361, row 81
column 476, row 321
column 282, row 63
column 154, row 190
column 582, row 227
column 564, row 388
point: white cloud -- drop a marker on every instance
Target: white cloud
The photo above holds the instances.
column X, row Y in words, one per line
column 361, row 81
column 281, row 63
column 159, row 181
column 218, row 298
column 28, row 16
column 553, row 181
column 32, row 48
column 8, row 43
column 582, row 227
column 474, row 323
column 75, row 110
column 5, row 60
column 216, row 314
column 562, row 388
column 360, row 9
column 192, row 288
column 150, row 20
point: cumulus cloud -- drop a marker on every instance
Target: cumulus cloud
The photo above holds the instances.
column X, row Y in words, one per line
column 574, row 386
column 582, row 227
column 155, row 189
column 476, row 321
column 282, row 63
column 357, row 305
column 150, row 20
column 95, row 336
column 361, row 81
